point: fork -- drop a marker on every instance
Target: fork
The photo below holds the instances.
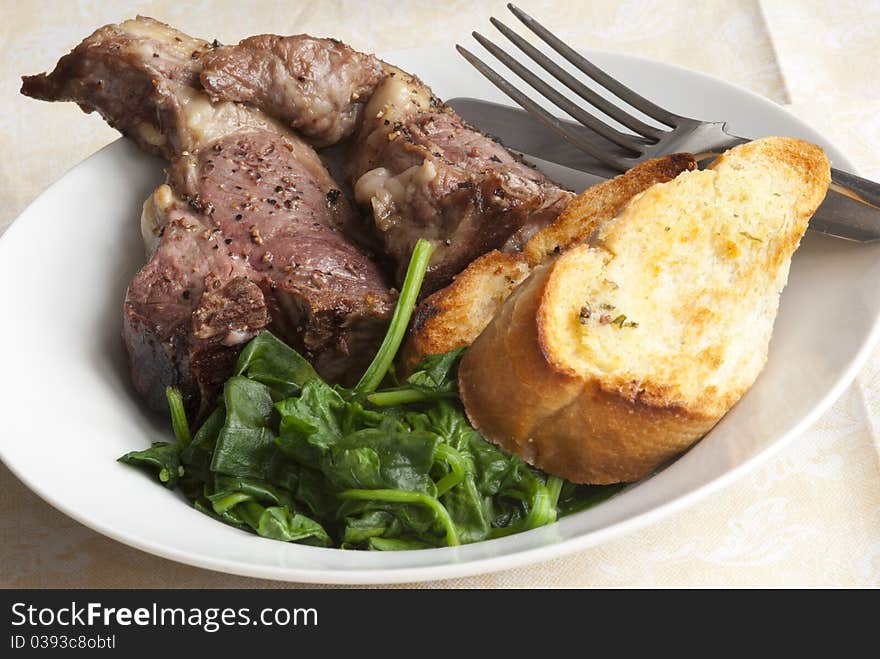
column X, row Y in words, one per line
column 851, row 209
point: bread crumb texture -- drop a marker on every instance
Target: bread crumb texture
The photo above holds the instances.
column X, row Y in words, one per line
column 454, row 316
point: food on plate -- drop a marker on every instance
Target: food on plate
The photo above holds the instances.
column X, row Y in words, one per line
column 455, row 315
column 289, row 457
column 316, row 86
column 250, row 232
column 584, row 341
column 417, row 168
column 618, row 355
column 424, row 172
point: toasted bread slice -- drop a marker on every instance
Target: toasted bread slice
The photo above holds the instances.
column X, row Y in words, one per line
column 454, row 316
column 619, row 354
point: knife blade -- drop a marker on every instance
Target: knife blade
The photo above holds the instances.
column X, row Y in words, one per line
column 567, row 177
column 840, row 213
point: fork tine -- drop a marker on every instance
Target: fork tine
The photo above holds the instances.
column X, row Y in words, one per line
column 623, row 92
column 587, row 119
column 615, row 112
column 614, row 161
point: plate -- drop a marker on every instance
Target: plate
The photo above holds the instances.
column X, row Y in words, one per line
column 69, row 410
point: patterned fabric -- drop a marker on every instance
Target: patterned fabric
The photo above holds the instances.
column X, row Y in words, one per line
column 808, row 517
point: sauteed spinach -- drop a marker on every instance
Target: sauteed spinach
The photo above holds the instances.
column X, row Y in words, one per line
column 289, row 457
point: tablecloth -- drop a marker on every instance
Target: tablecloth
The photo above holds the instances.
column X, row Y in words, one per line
column 810, row 516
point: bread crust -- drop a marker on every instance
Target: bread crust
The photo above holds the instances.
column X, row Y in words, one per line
column 521, row 389
column 567, row 425
column 598, row 204
column 454, row 316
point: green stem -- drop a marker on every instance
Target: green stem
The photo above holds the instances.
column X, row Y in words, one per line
column 404, row 496
column 178, row 416
column 457, row 466
column 554, row 487
column 409, row 292
column 542, row 512
column 403, row 395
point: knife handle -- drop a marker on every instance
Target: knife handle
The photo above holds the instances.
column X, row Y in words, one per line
column 856, row 188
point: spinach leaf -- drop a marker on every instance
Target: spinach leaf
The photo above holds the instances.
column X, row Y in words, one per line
column 274, row 522
column 240, row 502
column 320, row 500
column 269, row 360
column 255, row 489
column 372, row 524
column 162, row 458
column 416, row 510
column 437, row 373
column 435, row 378
column 196, row 456
column 533, row 504
column 396, row 544
column 377, row 458
column 278, row 523
column 315, row 415
column 245, row 445
column 469, row 511
column 353, row 448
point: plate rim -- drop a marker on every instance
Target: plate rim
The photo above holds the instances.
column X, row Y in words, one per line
column 516, row 558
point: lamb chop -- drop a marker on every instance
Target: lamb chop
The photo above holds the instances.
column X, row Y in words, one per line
column 249, row 232
column 414, row 163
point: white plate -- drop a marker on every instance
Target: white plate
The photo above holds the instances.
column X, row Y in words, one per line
column 69, row 410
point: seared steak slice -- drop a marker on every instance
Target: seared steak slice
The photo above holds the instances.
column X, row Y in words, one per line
column 248, row 234
column 420, row 169
column 317, row 86
column 426, row 173
column 173, row 326
column 249, row 240
column 273, row 207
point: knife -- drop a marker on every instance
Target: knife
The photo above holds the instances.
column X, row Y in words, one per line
column 841, row 212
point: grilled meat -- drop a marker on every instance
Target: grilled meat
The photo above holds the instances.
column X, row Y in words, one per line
column 317, row 86
column 249, row 231
column 424, row 172
column 415, row 164
column 142, row 76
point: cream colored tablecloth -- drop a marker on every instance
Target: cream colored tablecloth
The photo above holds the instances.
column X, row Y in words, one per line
column 809, row 517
